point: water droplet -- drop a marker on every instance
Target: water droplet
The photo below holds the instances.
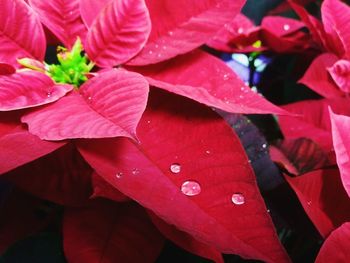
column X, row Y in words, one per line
column 240, row 30
column 135, row 171
column 264, row 145
column 226, row 76
column 159, row 55
column 150, row 52
column 164, row 47
column 286, row 27
column 171, row 33
column 156, row 46
column 191, row 188
column 268, row 210
column 119, row 175
column 309, row 202
column 241, row 96
column 148, row 122
column 238, row 199
column 175, row 168
column 207, row 152
column 48, row 94
column 89, row 98
column 71, row 12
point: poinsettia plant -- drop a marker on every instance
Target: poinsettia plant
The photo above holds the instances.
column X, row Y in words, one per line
column 121, row 132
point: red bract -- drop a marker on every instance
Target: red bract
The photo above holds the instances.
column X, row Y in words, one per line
column 184, row 163
column 335, row 248
column 328, row 73
column 341, row 142
column 276, row 33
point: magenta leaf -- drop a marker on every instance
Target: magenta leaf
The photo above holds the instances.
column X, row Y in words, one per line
column 181, row 26
column 26, row 89
column 118, row 33
column 340, row 73
column 336, row 19
column 21, row 33
column 109, row 232
column 108, row 105
column 69, row 176
column 18, row 147
column 239, row 33
column 186, row 241
column 313, row 121
column 62, row 18
column 341, row 142
column 208, row 80
column 90, row 9
column 281, row 26
column 312, row 23
column 204, row 186
column 336, row 246
column 318, row 192
column 318, row 79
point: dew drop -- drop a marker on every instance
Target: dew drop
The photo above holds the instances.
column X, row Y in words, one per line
column 175, row 168
column 226, row 76
column 238, row 199
column 240, row 30
column 71, row 12
column 89, row 99
column 264, row 145
column 156, row 46
column 191, row 188
column 48, row 94
column 241, row 96
column 309, row 202
column 159, row 55
column 171, row 33
column 207, row 152
column 119, row 175
column 135, row 171
column 148, row 122
column 164, row 47
column 286, row 27
column 150, row 52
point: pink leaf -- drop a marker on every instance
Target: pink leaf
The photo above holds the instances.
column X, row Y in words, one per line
column 118, row 33
column 21, row 33
column 238, row 34
column 103, row 189
column 341, row 142
column 336, row 246
column 181, row 26
column 313, row 121
column 27, row 89
column 323, row 198
column 186, row 241
column 109, row 232
column 313, row 24
column 6, row 69
column 190, row 183
column 109, row 105
column 281, row 26
column 336, row 19
column 340, row 73
column 18, row 147
column 208, row 80
column 62, row 18
column 90, row 9
column 318, row 79
column 62, row 177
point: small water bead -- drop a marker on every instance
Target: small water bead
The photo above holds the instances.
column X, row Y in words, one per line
column 309, row 203
column 238, row 199
column 175, row 168
column 226, row 76
column 150, row 52
column 164, row 47
column 264, row 145
column 48, row 94
column 208, row 152
column 191, row 188
column 171, row 33
column 119, row 175
column 135, row 171
column 156, row 46
column 240, row 30
column 286, row 27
